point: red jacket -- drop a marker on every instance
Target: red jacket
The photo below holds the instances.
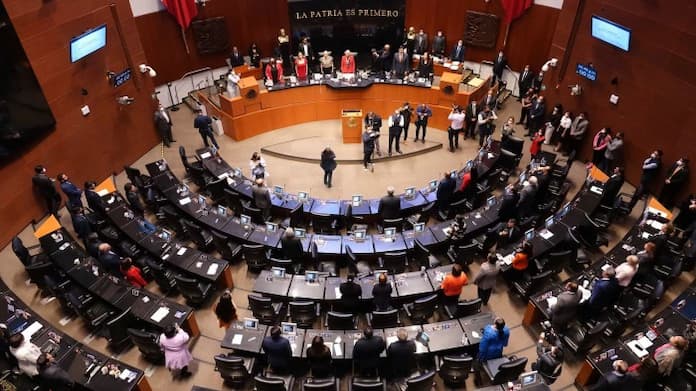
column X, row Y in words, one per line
column 134, row 277
column 348, row 64
column 535, row 148
column 269, row 74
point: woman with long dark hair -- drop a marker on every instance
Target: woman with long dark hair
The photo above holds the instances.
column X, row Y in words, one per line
column 319, row 357
column 328, row 164
column 225, row 310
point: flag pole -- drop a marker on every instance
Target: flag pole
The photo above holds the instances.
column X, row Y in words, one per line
column 507, row 31
column 183, row 37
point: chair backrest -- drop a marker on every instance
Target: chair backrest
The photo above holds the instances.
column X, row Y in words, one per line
column 322, row 223
column 233, row 200
column 397, row 223
column 194, row 230
column 188, row 287
column 146, row 343
column 395, row 262
column 118, row 326
column 328, row 384
column 182, row 156
column 37, row 271
column 513, row 144
column 425, row 307
column 510, row 371
column 217, row 189
column 422, row 382
column 297, row 216
column 426, row 212
column 263, row 383
column 302, row 311
column 457, row 363
column 254, row 255
column 367, row 384
column 538, row 280
column 260, row 306
column 230, row 366
column 340, row 321
column 385, row 319
column 133, row 174
column 466, row 253
column 468, row 308
column 253, row 212
column 20, row 250
column 284, row 263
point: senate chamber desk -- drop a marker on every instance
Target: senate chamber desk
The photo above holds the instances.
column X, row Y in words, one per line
column 253, row 113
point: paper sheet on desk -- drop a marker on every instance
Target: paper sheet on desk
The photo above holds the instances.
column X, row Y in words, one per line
column 31, row 330
column 508, row 259
column 645, row 235
column 237, row 339
column 546, row 234
column 585, row 294
column 338, row 292
column 655, row 224
column 127, row 375
column 212, row 269
column 338, row 350
column 103, row 192
column 184, row 201
column 490, row 155
column 636, row 349
column 160, row 314
column 596, row 190
column 644, row 342
column 205, row 155
column 551, row 301
column 181, row 251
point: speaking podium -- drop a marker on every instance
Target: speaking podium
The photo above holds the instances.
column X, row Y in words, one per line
column 351, row 119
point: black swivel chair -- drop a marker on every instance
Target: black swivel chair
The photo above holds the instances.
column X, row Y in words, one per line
column 264, row 309
column 454, row 370
column 423, row 382
column 141, row 181
column 580, row 340
column 169, row 217
column 422, row 217
column 24, row 255
column 394, row 262
column 359, row 267
column 513, row 144
column 464, row 254
column 216, row 188
column 384, row 319
column 117, row 327
column 367, row 384
column 255, row 213
column 325, row 384
column 195, row 292
column 422, row 256
column 202, row 237
column 286, row 264
column 463, row 308
column 556, row 261
column 422, row 309
column 526, row 288
column 255, row 257
column 233, row 201
column 397, row 223
column 234, row 370
column 296, row 218
column 304, row 313
column 263, row 383
column 505, row 369
column 195, row 170
column 148, row 346
column 37, row 271
column 340, row 321
column 163, row 277
column 229, row 249
column 323, row 224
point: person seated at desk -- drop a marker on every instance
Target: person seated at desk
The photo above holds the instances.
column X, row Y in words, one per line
column 495, row 338
column 225, row 310
column 549, row 359
column 425, row 66
column 502, row 235
column 347, row 62
column 177, row 357
column 278, row 351
column 381, row 293
column 452, row 284
column 612, row 187
column 402, row 355
column 132, row 273
column 110, row 260
column 617, row 380
column 605, row 292
column 319, row 358
column 445, row 190
column 291, row 247
column 26, row 354
column 389, row 205
column 366, row 353
column 273, row 72
column 326, row 63
column 301, row 67
column 134, row 198
column 566, row 307
column 520, row 261
column 235, row 59
column 52, row 375
column 626, row 271
column 669, row 356
column 350, row 295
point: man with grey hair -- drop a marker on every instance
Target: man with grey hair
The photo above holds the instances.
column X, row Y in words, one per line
column 262, row 198
column 605, row 292
column 389, row 205
column 291, row 247
column 402, row 354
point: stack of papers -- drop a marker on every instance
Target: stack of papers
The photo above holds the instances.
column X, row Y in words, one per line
column 212, row 269
column 546, row 234
column 205, row 155
column 237, row 339
column 596, row 190
column 551, row 301
column 181, row 251
column 338, row 292
column 508, row 259
column 31, row 330
column 184, row 201
column 160, row 314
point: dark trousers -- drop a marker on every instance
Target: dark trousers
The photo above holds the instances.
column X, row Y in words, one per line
column 453, row 136
column 470, row 130
column 420, row 125
column 367, row 158
column 394, row 139
column 606, row 165
column 53, row 204
column 407, row 124
column 205, row 135
column 524, row 116
column 484, row 295
column 327, row 177
column 638, row 194
column 483, row 135
column 167, row 137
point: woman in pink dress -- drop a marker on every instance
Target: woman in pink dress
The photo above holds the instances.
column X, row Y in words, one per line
column 174, row 342
column 301, row 67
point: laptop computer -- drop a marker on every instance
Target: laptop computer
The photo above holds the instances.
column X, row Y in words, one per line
column 288, row 328
column 300, row 233
column 251, row 323
column 419, row 227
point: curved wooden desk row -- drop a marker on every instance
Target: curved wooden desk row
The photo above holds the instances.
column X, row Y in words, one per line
column 448, row 336
column 262, row 111
column 82, row 363
column 190, row 261
column 85, row 271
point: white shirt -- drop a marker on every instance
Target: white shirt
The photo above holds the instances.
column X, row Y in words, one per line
column 26, row 354
column 391, row 121
column 566, row 122
column 457, row 120
column 482, row 118
column 625, row 273
column 165, row 115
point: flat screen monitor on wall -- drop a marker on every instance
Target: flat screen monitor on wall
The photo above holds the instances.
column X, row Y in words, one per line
column 611, row 33
column 87, row 43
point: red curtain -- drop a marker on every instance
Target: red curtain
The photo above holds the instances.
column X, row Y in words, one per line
column 515, row 8
column 183, row 11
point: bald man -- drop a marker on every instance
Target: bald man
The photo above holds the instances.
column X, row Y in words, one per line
column 262, row 198
column 389, row 205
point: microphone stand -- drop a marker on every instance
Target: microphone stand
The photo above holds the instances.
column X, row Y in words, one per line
column 174, row 107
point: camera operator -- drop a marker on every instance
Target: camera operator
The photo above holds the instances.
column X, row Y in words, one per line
column 485, row 124
column 549, row 356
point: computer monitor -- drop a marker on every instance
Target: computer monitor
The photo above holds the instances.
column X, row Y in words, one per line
column 311, row 276
column 356, row 199
column 419, row 227
column 244, row 219
column 278, row 272
column 528, row 378
column 237, row 172
column 303, row 196
column 433, row 185
column 390, row 232
column 410, row 192
column 490, row 201
column 300, row 233
column 278, row 190
column 288, row 328
column 359, row 234
column 251, row 323
column 271, row 227
column 423, row 338
column 222, row 210
column 529, row 235
column 549, row 222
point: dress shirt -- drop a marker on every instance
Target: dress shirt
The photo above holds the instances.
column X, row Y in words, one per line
column 457, row 120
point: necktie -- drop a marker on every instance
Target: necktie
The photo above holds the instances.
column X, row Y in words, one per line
column 458, row 49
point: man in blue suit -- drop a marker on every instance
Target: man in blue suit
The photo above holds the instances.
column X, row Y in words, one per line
column 278, row 351
column 605, row 292
column 71, row 191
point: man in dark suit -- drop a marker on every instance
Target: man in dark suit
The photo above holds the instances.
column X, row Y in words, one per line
column 94, row 200
column 472, row 111
column 525, row 81
column 306, row 48
column 262, row 198
column 402, row 355
column 46, row 189
column 134, row 198
column 389, row 205
column 537, row 81
column 566, row 308
column 489, row 100
column 163, row 123
column 350, row 295
column 525, row 207
column 617, row 380
column 508, row 204
column 605, row 292
column 650, row 169
column 71, row 191
column 205, row 128
column 421, row 43
column 396, row 126
column 366, row 353
column 278, row 351
column 675, row 179
column 445, row 189
column 236, row 59
column 439, row 44
column 385, row 58
column 80, row 223
column 503, row 235
column 458, row 51
column 110, row 260
column 400, row 64
column 381, row 293
column 291, row 247
column 612, row 187
column 536, row 115
column 499, row 65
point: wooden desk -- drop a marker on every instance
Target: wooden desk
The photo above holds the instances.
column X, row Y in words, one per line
column 247, row 71
column 351, row 121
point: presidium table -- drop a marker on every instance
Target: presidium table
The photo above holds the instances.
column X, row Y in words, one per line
column 257, row 110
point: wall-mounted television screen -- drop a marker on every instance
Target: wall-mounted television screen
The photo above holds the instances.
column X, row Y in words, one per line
column 611, row 33
column 87, row 43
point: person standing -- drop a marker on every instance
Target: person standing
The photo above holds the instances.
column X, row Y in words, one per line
column 677, row 176
column 291, row 248
column 566, row 307
column 486, row 278
column 650, row 169
column 452, row 284
column 458, row 51
column 626, row 271
column 472, row 111
column 402, row 355
column 278, row 351
column 254, row 55
column 319, row 358
column 350, row 295
column 255, row 161
column 47, row 190
column 305, row 47
column 407, row 113
column 326, row 63
column 132, row 273
column 613, row 153
column 537, row 140
column 507, row 130
column 425, row 67
column 177, row 357
column 536, row 115
column 80, row 223
column 273, row 72
column 284, row 48
column 225, row 310
column 456, row 125
column 328, row 164
column 366, row 353
column 347, row 62
column 235, row 59
column 163, row 123
column 373, row 123
column 389, row 205
column 439, row 44
column 423, row 112
column 400, row 64
column 26, row 354
column 527, row 101
column 577, row 133
column 499, row 65
column 445, row 190
column 301, row 67
column 485, row 124
column 381, row 293
column 612, row 187
column 262, row 198
column 368, row 140
column 495, row 338
column 71, row 191
column 205, row 127
column 524, row 83
column 670, row 355
column 396, row 125
column 421, row 45
column 599, row 145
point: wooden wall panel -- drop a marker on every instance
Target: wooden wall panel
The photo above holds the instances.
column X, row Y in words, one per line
column 89, row 147
column 654, row 78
